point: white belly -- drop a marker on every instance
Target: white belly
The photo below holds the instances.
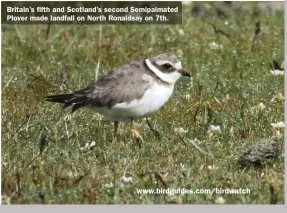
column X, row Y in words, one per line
column 154, row 98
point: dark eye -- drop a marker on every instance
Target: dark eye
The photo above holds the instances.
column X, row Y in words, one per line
column 167, row 66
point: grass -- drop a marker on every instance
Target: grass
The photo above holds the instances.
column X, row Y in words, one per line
column 41, row 157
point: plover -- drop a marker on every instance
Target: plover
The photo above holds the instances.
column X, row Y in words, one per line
column 129, row 92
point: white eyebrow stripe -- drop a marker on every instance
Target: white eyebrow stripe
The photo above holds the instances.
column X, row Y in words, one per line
column 178, row 66
column 161, row 62
column 154, row 69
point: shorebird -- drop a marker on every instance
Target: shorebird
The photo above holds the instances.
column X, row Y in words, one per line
column 134, row 90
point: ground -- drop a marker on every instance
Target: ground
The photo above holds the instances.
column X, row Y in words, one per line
column 43, row 159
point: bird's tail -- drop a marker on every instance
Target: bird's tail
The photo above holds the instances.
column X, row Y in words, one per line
column 73, row 100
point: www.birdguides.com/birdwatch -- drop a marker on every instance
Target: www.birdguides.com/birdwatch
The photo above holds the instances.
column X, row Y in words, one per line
column 92, row 13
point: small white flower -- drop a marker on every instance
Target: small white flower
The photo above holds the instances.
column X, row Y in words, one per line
column 278, row 125
column 260, row 106
column 187, row 96
column 215, row 128
column 108, row 185
column 211, row 167
column 276, row 72
column 92, row 144
column 181, row 32
column 127, row 180
column 182, row 167
column 220, row 200
column 88, row 146
column 214, row 45
column 226, row 23
column 179, row 130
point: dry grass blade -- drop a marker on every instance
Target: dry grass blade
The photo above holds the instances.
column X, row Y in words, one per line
column 48, row 30
column 154, row 131
column 193, row 143
column 159, row 179
column 256, row 33
column 198, row 148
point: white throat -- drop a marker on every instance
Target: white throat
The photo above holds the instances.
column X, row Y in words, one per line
column 170, row 78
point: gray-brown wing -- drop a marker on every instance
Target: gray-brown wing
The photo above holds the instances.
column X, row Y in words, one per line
column 121, row 85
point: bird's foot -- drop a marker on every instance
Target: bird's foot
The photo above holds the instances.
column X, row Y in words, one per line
column 136, row 136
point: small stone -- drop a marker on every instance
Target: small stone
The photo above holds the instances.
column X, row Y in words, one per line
column 265, row 151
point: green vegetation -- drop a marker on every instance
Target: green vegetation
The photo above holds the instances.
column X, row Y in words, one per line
column 41, row 157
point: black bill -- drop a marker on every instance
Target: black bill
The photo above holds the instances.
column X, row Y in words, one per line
column 184, row 73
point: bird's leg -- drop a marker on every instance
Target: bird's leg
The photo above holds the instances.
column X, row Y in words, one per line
column 135, row 133
column 116, row 125
column 154, row 131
